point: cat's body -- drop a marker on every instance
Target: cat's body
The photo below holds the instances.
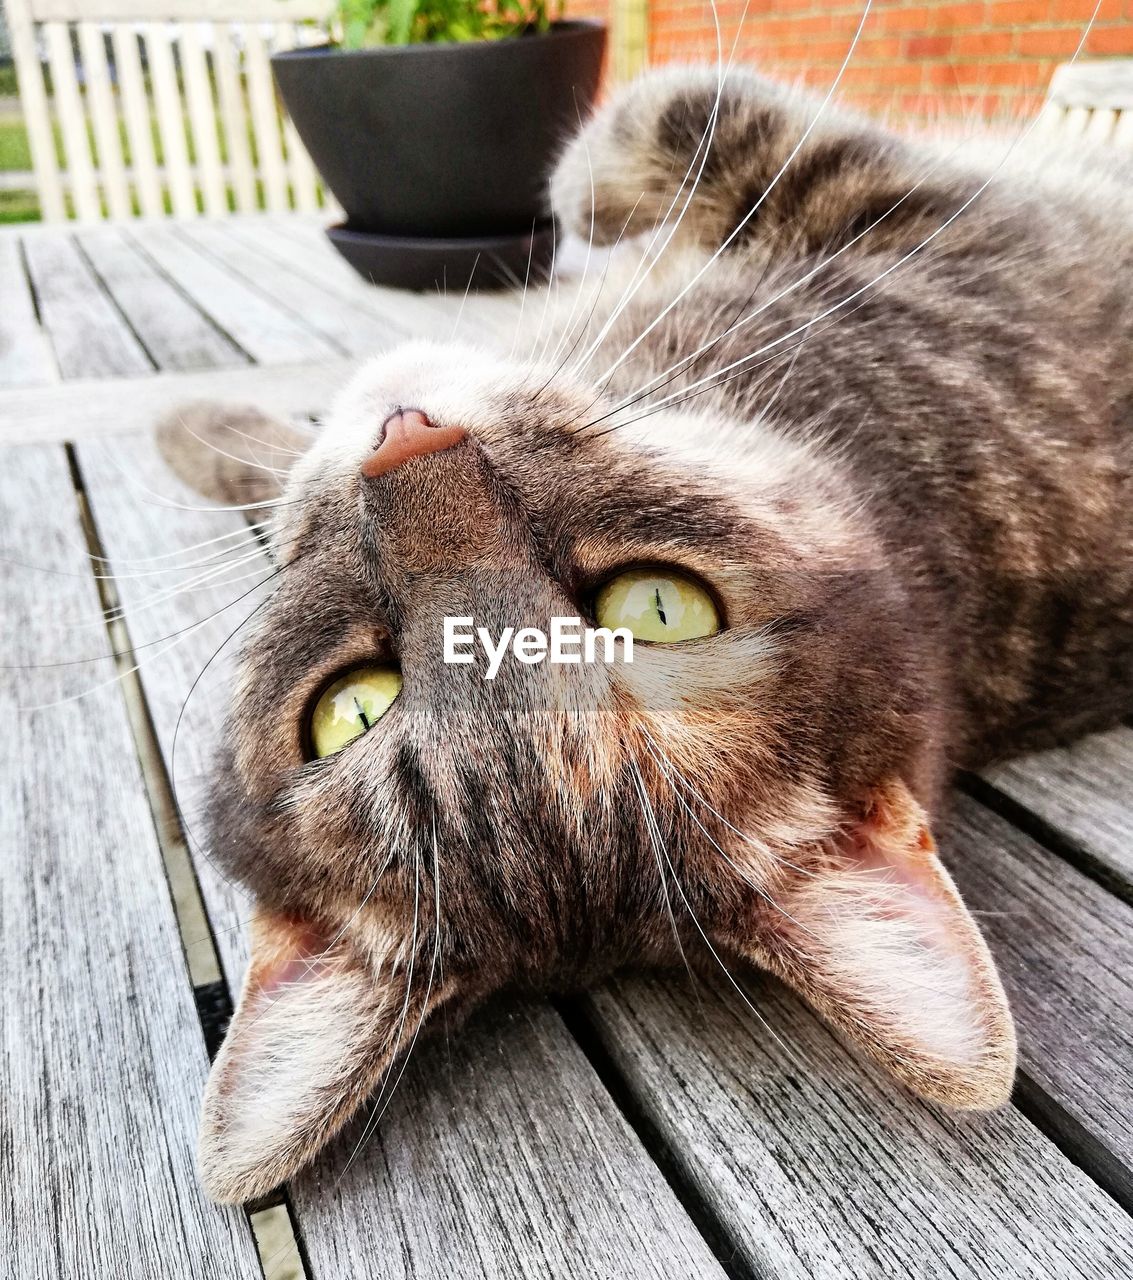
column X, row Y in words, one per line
column 905, row 477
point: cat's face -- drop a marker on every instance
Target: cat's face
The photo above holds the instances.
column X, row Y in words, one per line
column 743, row 793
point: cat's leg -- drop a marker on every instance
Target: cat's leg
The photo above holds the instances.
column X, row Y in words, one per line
column 636, row 161
column 232, row 454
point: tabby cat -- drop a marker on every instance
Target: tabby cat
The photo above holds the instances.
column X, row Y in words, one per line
column 847, row 446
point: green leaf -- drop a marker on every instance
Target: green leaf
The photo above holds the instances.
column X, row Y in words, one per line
column 401, row 16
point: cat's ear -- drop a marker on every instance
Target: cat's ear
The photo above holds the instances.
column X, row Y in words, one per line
column 317, row 1027
column 232, row 454
column 880, row 944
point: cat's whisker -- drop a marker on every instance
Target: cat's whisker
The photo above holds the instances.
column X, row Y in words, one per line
column 121, row 675
column 134, row 648
column 663, row 852
column 232, row 457
column 673, row 371
column 552, row 288
column 464, row 300
column 567, row 326
column 212, row 579
column 664, row 764
column 650, row 258
column 189, row 836
column 738, row 228
column 102, row 561
column 523, row 297
column 759, row 845
column 232, row 534
column 709, row 379
column 380, row 1106
column 657, row 844
column 585, row 324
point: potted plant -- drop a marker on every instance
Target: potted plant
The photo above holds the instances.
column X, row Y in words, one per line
column 436, row 124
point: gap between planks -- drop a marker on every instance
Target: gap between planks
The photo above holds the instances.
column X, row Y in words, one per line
column 273, row 1226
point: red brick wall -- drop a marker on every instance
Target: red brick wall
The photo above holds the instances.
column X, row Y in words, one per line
column 920, row 58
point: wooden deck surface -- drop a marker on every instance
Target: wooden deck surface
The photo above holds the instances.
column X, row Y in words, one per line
column 649, row 1130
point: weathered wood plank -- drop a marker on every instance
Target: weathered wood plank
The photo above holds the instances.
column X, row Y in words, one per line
column 1065, row 949
column 179, row 611
column 103, row 1054
column 580, row 1196
column 176, row 333
column 818, row 1165
column 90, row 338
column 25, row 352
column 501, row 1155
column 351, row 329
column 89, row 409
column 1085, row 792
column 265, row 330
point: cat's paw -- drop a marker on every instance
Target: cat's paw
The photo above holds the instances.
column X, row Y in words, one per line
column 232, row 454
column 672, row 137
column 712, row 156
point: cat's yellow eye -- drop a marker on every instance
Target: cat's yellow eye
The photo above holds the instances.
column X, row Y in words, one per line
column 349, row 706
column 657, row 605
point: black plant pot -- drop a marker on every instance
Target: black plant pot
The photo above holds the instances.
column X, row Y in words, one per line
column 440, row 153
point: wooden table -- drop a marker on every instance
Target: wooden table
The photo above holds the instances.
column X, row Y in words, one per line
column 650, row 1130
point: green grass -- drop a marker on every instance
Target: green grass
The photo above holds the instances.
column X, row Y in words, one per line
column 14, row 150
column 15, row 155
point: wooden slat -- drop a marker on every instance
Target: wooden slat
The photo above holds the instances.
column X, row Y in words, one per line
column 501, row 1155
column 88, row 408
column 1123, row 132
column 202, row 119
column 265, row 121
column 1085, row 792
column 104, row 1057
column 135, row 109
column 176, row 334
column 90, row 338
column 233, row 113
column 37, row 117
column 96, row 72
column 817, row 1166
column 237, row 247
column 1065, row 949
column 1101, row 126
column 267, row 332
column 72, row 121
column 170, row 120
column 1076, row 122
column 25, row 352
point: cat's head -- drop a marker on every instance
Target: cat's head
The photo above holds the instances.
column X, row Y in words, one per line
column 418, row 837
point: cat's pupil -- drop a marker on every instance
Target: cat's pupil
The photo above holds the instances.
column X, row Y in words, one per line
column 660, row 607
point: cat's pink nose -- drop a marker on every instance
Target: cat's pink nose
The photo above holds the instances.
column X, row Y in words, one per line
column 406, row 434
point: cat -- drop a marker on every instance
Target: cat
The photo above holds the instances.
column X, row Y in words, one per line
column 869, row 466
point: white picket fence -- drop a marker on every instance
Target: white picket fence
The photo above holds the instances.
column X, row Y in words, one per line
column 1092, row 100
column 196, row 72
